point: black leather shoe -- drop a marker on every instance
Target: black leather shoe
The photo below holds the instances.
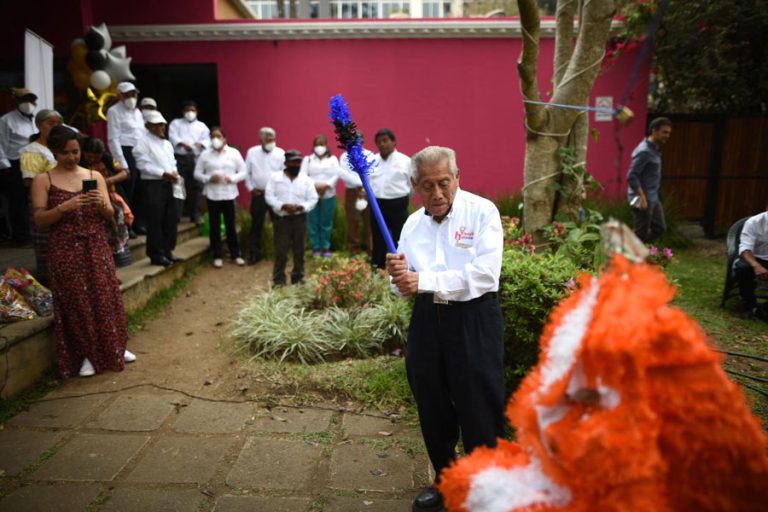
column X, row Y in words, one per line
column 163, row 262
column 173, row 259
column 429, row 500
column 140, row 230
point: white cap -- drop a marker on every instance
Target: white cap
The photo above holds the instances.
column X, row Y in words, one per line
column 154, row 117
column 148, row 102
column 124, row 87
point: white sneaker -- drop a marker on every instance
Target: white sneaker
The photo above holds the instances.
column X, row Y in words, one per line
column 240, row 262
column 87, row 370
column 218, row 263
column 129, row 356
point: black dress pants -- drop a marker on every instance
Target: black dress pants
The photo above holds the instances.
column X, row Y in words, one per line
column 649, row 224
column 290, row 234
column 134, row 191
column 745, row 278
column 17, row 195
column 395, row 213
column 161, row 218
column 193, row 204
column 455, row 366
column 258, row 214
column 217, row 209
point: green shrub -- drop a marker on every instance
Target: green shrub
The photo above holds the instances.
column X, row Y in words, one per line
column 530, row 287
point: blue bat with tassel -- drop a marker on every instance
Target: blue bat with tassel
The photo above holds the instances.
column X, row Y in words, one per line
column 349, row 140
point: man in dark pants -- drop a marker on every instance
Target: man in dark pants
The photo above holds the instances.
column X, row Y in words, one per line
column 15, row 129
column 189, row 137
column 449, row 257
column 752, row 265
column 644, row 180
column 154, row 157
column 291, row 196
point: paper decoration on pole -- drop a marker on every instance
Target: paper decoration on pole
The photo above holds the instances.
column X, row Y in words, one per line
column 350, row 141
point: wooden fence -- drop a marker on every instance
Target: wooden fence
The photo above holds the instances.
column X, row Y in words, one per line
column 715, row 168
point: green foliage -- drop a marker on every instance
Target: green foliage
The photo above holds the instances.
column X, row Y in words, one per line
column 346, row 283
column 531, row 285
column 339, row 231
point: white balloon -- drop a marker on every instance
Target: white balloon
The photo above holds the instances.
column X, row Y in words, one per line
column 118, row 51
column 100, row 80
column 118, row 68
column 104, row 31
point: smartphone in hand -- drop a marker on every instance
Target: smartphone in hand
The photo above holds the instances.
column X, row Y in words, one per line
column 89, row 185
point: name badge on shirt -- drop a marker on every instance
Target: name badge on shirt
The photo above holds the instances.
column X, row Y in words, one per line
column 464, row 239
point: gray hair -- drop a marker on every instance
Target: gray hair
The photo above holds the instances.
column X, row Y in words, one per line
column 433, row 155
column 266, row 130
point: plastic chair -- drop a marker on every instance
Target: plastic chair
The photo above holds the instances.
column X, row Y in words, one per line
column 732, row 243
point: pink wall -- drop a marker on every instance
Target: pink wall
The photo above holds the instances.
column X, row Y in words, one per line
column 453, row 92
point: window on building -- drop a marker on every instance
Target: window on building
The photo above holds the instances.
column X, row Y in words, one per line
column 350, row 9
column 436, row 9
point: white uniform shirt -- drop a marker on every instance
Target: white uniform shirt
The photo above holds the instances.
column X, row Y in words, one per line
column 350, row 178
column 154, row 157
column 391, row 178
column 181, row 130
column 228, row 163
column 282, row 190
column 754, row 236
column 260, row 166
column 15, row 130
column 322, row 171
column 125, row 127
column 458, row 259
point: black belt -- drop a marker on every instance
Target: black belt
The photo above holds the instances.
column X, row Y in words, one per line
column 430, row 298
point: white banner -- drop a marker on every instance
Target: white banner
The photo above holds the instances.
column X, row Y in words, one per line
column 38, row 68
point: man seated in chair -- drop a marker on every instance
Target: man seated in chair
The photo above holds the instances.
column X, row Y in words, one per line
column 752, row 265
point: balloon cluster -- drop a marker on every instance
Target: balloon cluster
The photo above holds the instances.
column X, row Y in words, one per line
column 94, row 63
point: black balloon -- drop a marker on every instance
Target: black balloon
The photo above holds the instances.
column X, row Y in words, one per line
column 94, row 41
column 96, row 60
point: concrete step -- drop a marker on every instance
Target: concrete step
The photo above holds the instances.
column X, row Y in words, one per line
column 186, row 231
column 28, row 349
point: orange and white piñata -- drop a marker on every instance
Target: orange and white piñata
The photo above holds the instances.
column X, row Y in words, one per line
column 628, row 409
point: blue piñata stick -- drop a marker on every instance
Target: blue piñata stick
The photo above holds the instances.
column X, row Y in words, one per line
column 349, row 140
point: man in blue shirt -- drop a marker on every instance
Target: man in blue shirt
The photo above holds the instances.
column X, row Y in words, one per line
column 644, row 179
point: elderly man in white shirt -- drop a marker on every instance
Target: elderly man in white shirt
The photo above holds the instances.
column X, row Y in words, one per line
column 355, row 205
column 752, row 265
column 290, row 195
column 449, row 258
column 261, row 162
column 15, row 129
column 190, row 137
column 154, row 157
column 125, row 127
column 391, row 183
column 221, row 168
column 323, row 169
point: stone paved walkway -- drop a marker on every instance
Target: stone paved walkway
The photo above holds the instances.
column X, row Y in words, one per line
column 143, row 448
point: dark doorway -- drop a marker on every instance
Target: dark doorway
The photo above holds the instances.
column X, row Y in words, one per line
column 172, row 84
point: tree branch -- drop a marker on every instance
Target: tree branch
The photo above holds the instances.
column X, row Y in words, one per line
column 526, row 64
column 563, row 37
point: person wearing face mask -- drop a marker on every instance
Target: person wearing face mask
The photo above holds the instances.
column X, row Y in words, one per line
column 323, row 169
column 154, row 157
column 261, row 162
column 190, row 137
column 147, row 105
column 291, row 195
column 16, row 127
column 125, row 128
column 220, row 169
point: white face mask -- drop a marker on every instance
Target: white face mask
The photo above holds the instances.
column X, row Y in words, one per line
column 217, row 143
column 190, row 115
column 269, row 146
column 320, row 150
column 27, row 108
column 129, row 103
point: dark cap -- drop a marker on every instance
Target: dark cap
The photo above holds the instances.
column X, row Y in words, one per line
column 292, row 155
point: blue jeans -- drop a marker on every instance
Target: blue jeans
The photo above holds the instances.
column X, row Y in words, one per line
column 321, row 224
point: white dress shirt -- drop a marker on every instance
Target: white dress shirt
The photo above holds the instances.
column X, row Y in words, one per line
column 391, row 178
column 322, row 171
column 228, row 163
column 458, row 259
column 125, row 127
column 15, row 130
column 350, row 178
column 260, row 166
column 754, row 236
column 154, row 157
column 181, row 130
column 282, row 190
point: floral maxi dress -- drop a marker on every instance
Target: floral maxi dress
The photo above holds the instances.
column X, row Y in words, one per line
column 90, row 319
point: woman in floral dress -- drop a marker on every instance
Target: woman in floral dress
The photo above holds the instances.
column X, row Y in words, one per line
column 90, row 322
